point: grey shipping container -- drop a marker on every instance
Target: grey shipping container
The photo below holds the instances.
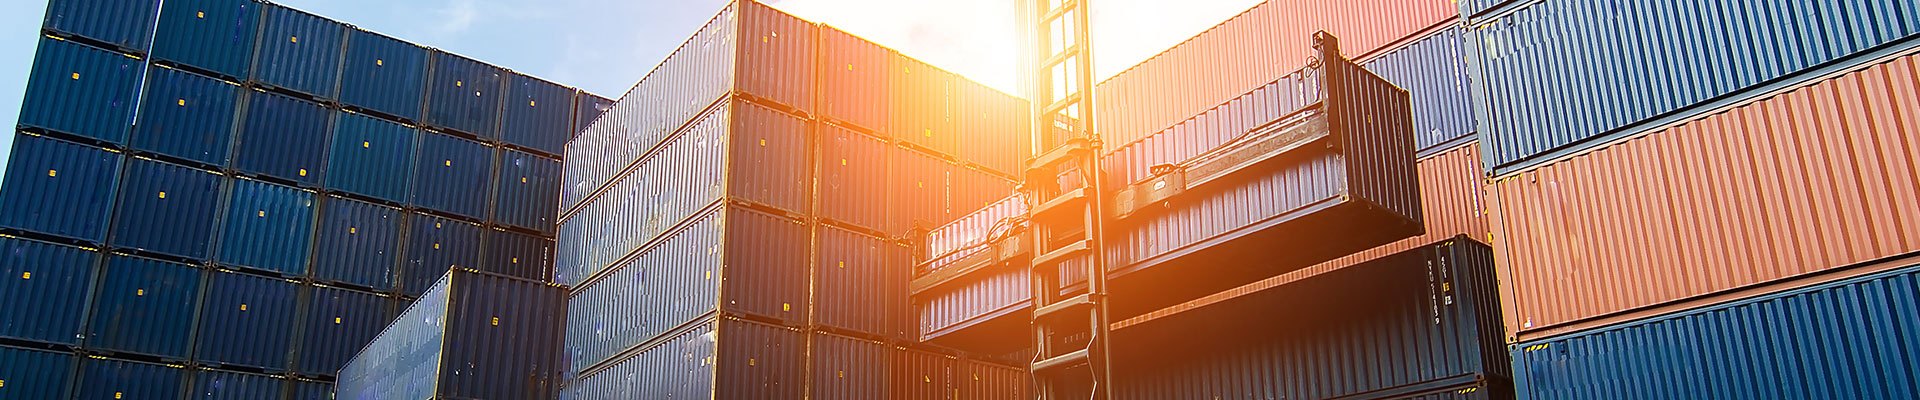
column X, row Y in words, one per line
column 358, row 243
column 724, row 358
column 166, row 209
column 217, row 384
column 283, row 138
column 246, row 321
column 81, row 91
column 145, row 306
column 1433, row 70
column 186, row 116
column 846, row 368
column 473, row 335
column 464, row 95
column 539, row 114
column 300, row 52
column 213, row 36
column 452, row 174
column 371, row 157
column 682, row 178
column 434, row 245
column 384, row 75
column 268, row 227
column 59, row 188
column 124, row 25
column 336, row 324
column 35, row 374
column 527, row 191
column 46, row 286
column 103, row 378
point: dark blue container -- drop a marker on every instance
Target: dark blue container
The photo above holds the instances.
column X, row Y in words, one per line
column 102, row 378
column 465, row 95
column 539, row 114
column 58, row 188
column 518, row 255
column 338, row 322
column 311, row 390
column 359, row 243
column 384, row 75
column 145, row 306
column 246, row 321
column 35, row 374
column 45, row 286
column 186, row 115
column 586, row 108
column 215, row 36
column 527, row 194
column 82, row 91
column 216, row 384
column 370, row 157
column 1433, row 69
column 435, row 244
column 300, row 51
column 268, row 227
column 127, row 25
column 166, row 209
column 474, row 336
column 282, row 137
column 451, row 175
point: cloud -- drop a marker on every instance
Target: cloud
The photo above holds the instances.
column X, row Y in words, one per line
column 457, row 17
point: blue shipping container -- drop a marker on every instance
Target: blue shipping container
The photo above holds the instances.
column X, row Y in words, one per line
column 465, row 95
column 80, row 90
column 213, row 384
column 58, row 188
column 268, row 227
column 246, row 321
column 451, row 175
column 384, row 75
column 125, row 24
column 860, row 283
column 312, row 390
column 370, row 157
column 359, row 243
column 539, row 114
column 166, row 209
column 586, row 108
column 186, row 115
column 664, row 286
column 145, row 306
column 102, row 378
column 1434, row 70
column 1851, row 339
column 338, row 322
column 34, row 374
column 677, row 368
column 518, row 255
column 44, row 285
column 300, row 51
column 282, row 137
column 527, row 192
column 434, row 245
column 474, row 335
column 215, row 36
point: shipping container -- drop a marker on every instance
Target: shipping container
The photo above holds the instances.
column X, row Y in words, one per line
column 779, row 67
column 668, row 187
column 283, row 138
column 59, row 188
column 921, row 375
column 918, row 186
column 299, row 51
column 104, row 378
column 35, row 374
column 166, row 209
column 217, row 384
column 846, row 368
column 464, row 95
column 1718, row 203
column 922, row 99
column 45, row 285
column 125, row 25
column 854, row 175
column 434, row 245
column 538, row 115
column 1846, row 339
column 1433, row 70
column 371, row 157
column 678, row 367
column 1470, row 10
column 246, row 321
column 993, row 128
column 212, row 36
column 311, row 390
column 856, row 79
column 358, row 243
column 451, row 175
column 987, row 381
column 144, row 306
column 473, row 335
column 527, row 191
column 336, row 324
column 1535, row 62
column 186, row 116
column 759, row 361
column 768, row 160
column 860, row 283
column 736, row 359
column 81, row 91
column 587, row 108
column 383, row 75
column 268, row 227
column 518, row 255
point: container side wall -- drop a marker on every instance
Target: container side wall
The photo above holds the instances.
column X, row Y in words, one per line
column 213, row 384
column 435, row 245
column 538, row 115
column 684, row 177
column 166, row 209
column 663, row 286
column 268, row 227
column 452, row 175
column 35, row 374
column 283, row 138
column 82, row 91
column 247, row 321
column 527, row 191
column 503, row 338
column 59, row 188
column 673, row 369
column 764, row 272
column 187, row 116
column 127, row 25
column 919, row 375
column 403, row 360
column 777, row 57
column 518, row 255
column 845, row 368
column 47, row 285
column 145, row 306
column 854, row 73
column 384, row 75
column 216, row 36
column 854, row 170
column 359, row 243
column 102, row 378
column 464, row 95
column 1434, row 69
column 371, row 157
column 859, row 284
column 338, row 323
column 769, row 158
column 300, row 52
column 759, row 361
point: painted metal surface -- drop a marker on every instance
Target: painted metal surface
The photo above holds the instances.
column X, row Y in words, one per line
column 854, row 172
column 779, row 66
column 919, row 186
column 81, row 90
column 35, row 374
column 669, row 186
column 358, row 243
column 859, row 283
column 282, row 137
column 368, row 157
column 855, row 75
column 465, row 95
column 46, row 286
column 967, row 234
column 125, row 24
column 335, row 325
column 1534, row 61
column 763, row 269
column 476, row 335
column 102, row 378
column 186, row 115
column 985, row 381
column 215, row 36
column 663, row 286
column 768, row 161
column 403, row 360
column 759, row 361
column 527, row 191
column 216, row 384
column 538, row 115
column 846, row 368
column 268, row 227
column 517, row 255
column 1433, row 70
column 59, row 188
column 299, row 51
column 246, row 321
column 167, row 209
column 994, row 127
column 452, row 174
column 311, row 390
column 1475, row 8
column 1847, row 339
column 1726, row 201
column 920, row 375
column 587, row 108
column 920, row 105
column 145, row 306
column 673, row 369
column 434, row 245
column 384, row 75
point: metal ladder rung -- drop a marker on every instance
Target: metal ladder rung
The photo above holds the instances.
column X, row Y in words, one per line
column 1064, row 8
column 1071, row 197
column 1065, row 152
column 1069, row 101
column 1082, row 300
column 1064, row 360
column 1061, row 254
column 1059, row 58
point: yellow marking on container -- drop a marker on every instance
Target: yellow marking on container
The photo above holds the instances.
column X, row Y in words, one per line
column 531, row 103
column 181, row 102
column 449, row 163
column 763, row 38
column 294, row 39
column 163, row 194
column 53, row 172
column 336, row 320
column 523, row 179
column 459, row 83
column 243, row 306
column 496, row 321
column 436, row 225
column 927, row 379
column 26, row 275
column 763, row 142
column 200, row 14
column 929, row 132
column 76, row 76
column 353, row 230
column 843, row 161
column 515, row 260
column 379, row 62
column 261, row 213
column 303, row 172
column 709, row 274
column 786, row 306
column 842, row 373
column 842, row 264
column 366, row 145
column 139, row 292
column 752, row 361
column 117, row 395
column 849, row 66
column 436, row 246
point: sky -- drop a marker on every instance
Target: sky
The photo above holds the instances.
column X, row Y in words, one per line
column 605, row 46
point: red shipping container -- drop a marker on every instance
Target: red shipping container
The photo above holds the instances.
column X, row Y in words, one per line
column 854, row 81
column 921, row 99
column 854, row 171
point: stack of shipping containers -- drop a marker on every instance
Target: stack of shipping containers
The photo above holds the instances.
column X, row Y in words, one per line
column 231, row 198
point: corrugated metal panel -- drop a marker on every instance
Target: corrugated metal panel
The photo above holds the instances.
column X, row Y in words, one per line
column 145, row 306
column 1525, row 60
column 300, row 51
column 1718, row 203
column 855, row 73
column 384, row 75
column 669, row 186
column 268, row 227
column 465, row 95
column 919, row 375
column 311, row 390
column 845, row 368
column 167, row 209
column 127, row 24
column 58, row 188
column 282, row 137
column 81, row 90
column 213, row 384
column 859, row 283
column 402, row 361
column 434, row 245
column 35, row 374
column 448, row 174
column 538, row 115
column 661, row 287
column 919, row 185
column 922, row 103
column 985, row 381
column 854, row 172
column 779, row 66
column 1474, row 8
column 246, row 321
column 677, row 368
column 528, row 191
column 1433, row 68
column 102, row 378
column 186, row 115
column 209, row 35
column 338, row 323
column 768, row 161
column 368, row 157
column 503, row 338
column 967, row 234
column 995, row 127
column 359, row 243
column 994, row 293
column 45, row 285
column 1849, row 339
column 759, row 361
column 587, row 108
column 764, row 271
column 517, row 255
